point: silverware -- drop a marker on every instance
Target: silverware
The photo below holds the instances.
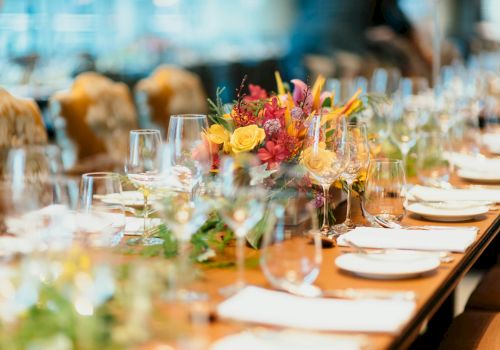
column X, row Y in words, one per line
column 313, row 291
column 394, row 225
column 443, row 256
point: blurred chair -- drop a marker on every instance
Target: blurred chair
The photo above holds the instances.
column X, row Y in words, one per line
column 93, row 120
column 473, row 330
column 21, row 124
column 168, row 91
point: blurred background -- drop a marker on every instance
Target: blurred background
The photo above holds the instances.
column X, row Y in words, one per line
column 44, row 43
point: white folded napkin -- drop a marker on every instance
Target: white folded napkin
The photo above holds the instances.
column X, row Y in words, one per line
column 424, row 193
column 135, row 225
column 479, row 164
column 259, row 305
column 492, row 142
column 265, row 339
column 455, row 240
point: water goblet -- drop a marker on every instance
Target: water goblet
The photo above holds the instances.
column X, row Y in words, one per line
column 241, row 205
column 384, row 191
column 291, row 254
column 189, row 151
column 100, row 223
column 403, row 129
column 142, row 170
column 432, row 167
column 325, row 155
column 359, row 157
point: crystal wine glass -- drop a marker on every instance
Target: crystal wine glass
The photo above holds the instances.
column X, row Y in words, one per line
column 190, row 155
column 142, row 169
column 241, row 205
column 184, row 215
column 384, row 191
column 404, row 128
column 291, row 254
column 359, row 157
column 99, row 222
column 325, row 155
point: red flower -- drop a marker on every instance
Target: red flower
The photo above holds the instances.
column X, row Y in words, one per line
column 272, row 110
column 256, row 93
column 272, row 154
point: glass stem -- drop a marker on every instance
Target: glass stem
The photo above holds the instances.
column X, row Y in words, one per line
column 326, row 222
column 348, row 221
column 240, row 260
column 145, row 212
column 183, row 251
column 405, row 155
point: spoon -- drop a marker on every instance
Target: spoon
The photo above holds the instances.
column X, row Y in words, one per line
column 394, row 225
column 313, row 291
column 444, row 257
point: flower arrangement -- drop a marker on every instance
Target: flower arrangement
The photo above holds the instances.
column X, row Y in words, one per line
column 272, row 125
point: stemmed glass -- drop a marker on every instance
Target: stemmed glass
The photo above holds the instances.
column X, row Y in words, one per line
column 404, row 128
column 241, row 205
column 189, row 152
column 142, row 169
column 325, row 155
column 100, row 223
column 359, row 156
column 184, row 215
column 32, row 162
column 383, row 197
column 291, row 254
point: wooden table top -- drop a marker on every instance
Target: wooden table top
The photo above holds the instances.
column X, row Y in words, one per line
column 431, row 289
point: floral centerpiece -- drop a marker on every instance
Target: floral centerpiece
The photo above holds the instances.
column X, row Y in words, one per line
column 272, row 125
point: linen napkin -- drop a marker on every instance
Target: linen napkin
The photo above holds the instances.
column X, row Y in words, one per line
column 424, row 193
column 492, row 142
column 265, row 339
column 455, row 240
column 259, row 305
column 134, row 225
column 473, row 163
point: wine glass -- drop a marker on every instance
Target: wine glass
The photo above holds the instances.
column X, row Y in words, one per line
column 432, row 167
column 241, row 205
column 184, row 215
column 190, row 154
column 39, row 213
column 100, row 222
column 32, row 162
column 359, row 157
column 383, row 197
column 291, row 252
column 325, row 155
column 143, row 171
column 404, row 128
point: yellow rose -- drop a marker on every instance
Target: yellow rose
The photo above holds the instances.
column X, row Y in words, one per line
column 218, row 134
column 246, row 138
column 317, row 161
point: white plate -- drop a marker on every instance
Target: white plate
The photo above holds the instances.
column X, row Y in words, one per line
column 391, row 265
column 490, row 176
column 448, row 214
column 127, row 198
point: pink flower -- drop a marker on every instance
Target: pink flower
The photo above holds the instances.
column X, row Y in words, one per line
column 302, row 96
column 256, row 93
column 272, row 154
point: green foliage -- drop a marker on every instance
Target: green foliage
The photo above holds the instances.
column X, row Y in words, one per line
column 54, row 320
column 217, row 112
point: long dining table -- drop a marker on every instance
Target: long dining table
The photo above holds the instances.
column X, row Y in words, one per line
column 432, row 290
